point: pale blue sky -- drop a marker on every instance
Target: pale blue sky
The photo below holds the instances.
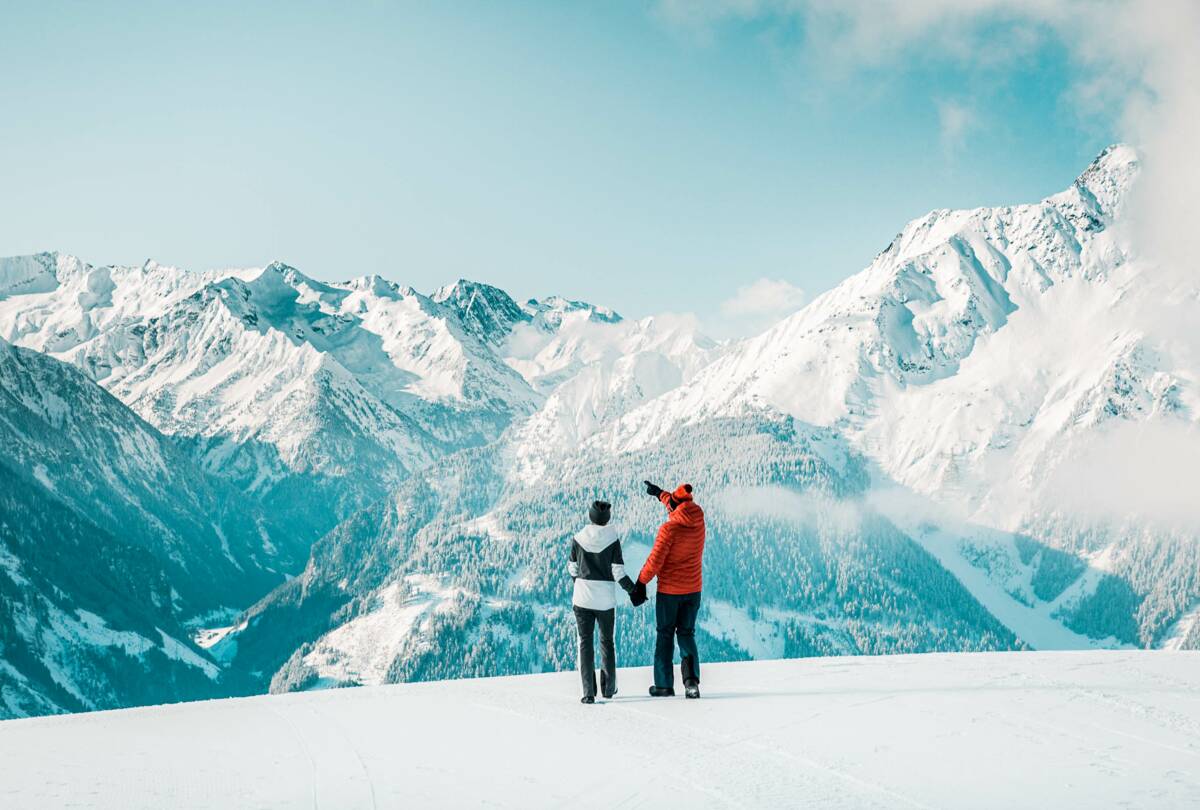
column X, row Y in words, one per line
column 595, row 149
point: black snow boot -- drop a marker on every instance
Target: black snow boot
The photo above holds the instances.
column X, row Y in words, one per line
column 607, row 689
column 662, row 691
column 588, row 699
column 691, row 683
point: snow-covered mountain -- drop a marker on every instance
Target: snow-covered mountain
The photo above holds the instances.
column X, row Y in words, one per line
column 313, row 398
column 898, row 439
column 921, row 459
column 1029, row 730
column 280, row 396
column 984, row 359
column 987, row 359
column 946, row 284
column 111, row 543
column 461, row 571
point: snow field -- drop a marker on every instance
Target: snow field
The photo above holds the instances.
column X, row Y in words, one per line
column 1063, row 730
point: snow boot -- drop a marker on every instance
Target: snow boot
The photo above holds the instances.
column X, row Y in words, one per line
column 607, row 689
column 587, row 699
column 662, row 691
column 691, row 683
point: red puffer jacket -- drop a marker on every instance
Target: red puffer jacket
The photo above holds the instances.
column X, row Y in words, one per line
column 679, row 547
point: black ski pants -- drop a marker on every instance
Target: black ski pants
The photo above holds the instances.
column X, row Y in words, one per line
column 587, row 619
column 675, row 615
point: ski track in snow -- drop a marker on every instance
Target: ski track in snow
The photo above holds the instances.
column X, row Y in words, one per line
column 1089, row 729
column 302, row 743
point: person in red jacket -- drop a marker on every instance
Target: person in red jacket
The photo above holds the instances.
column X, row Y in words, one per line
column 676, row 560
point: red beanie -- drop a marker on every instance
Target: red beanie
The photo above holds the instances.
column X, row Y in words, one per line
column 683, row 492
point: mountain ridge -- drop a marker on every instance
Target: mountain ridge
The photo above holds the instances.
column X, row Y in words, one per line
column 891, row 469
column 929, row 312
column 112, row 546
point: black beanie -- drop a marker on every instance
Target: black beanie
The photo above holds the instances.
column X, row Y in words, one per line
column 600, row 512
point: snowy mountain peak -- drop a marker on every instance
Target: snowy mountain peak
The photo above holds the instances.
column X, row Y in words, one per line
column 948, row 282
column 486, row 312
column 467, row 291
column 552, row 310
column 279, row 275
column 37, row 273
column 977, row 363
column 379, row 286
column 1109, row 177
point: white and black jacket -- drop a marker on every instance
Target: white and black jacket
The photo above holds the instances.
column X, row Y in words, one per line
column 596, row 564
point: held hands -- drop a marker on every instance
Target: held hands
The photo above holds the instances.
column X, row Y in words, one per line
column 652, row 490
column 637, row 596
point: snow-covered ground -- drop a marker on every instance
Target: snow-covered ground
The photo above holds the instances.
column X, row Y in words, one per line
column 1081, row 729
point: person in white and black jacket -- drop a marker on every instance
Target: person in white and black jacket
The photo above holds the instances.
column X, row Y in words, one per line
column 596, row 564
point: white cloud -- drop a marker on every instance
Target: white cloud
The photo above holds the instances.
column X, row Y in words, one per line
column 1133, row 472
column 757, row 306
column 822, row 512
column 954, row 121
column 1139, row 60
column 697, row 16
column 766, row 296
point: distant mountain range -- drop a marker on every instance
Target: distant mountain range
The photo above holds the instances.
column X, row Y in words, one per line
column 228, row 481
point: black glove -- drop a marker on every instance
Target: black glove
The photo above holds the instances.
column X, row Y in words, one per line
column 638, row 595
column 652, row 490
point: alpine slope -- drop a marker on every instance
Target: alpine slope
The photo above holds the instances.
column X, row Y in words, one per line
column 1015, row 730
